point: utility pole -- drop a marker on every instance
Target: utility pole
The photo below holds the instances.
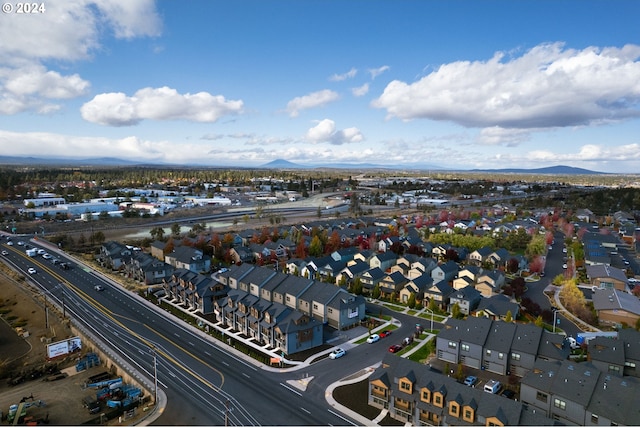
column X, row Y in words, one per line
column 46, row 313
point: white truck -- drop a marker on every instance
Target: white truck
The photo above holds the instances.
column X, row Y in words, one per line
column 32, row 252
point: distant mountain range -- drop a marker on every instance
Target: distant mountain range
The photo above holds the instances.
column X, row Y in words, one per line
column 283, row 164
column 551, row 170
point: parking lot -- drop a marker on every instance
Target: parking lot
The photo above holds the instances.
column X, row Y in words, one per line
column 483, row 377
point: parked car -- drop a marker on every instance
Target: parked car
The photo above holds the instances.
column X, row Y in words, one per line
column 509, row 394
column 407, row 341
column 471, row 380
column 98, row 288
column 32, row 270
column 395, row 348
column 492, row 386
column 373, row 338
column 20, row 243
column 5, row 253
column 384, row 334
column 337, row 353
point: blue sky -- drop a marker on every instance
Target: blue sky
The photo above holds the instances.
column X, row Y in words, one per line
column 402, row 83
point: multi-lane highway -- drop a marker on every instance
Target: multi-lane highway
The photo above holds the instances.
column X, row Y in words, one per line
column 204, row 381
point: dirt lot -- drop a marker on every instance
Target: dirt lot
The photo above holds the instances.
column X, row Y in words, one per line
column 22, row 356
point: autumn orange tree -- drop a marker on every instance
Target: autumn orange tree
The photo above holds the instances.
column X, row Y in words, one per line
column 575, row 302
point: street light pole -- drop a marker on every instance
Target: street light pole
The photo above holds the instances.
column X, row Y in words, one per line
column 155, row 376
column 426, row 309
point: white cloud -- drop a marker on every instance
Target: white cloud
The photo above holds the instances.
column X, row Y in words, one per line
column 131, row 19
column 69, row 30
column 547, row 87
column 361, row 90
column 42, row 144
column 375, row 72
column 312, row 100
column 340, row 77
column 118, row 109
column 30, row 87
column 325, row 131
column 496, row 135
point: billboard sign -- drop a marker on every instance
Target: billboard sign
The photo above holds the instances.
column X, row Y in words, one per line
column 64, row 347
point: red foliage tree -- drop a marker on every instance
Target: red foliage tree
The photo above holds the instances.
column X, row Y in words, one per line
column 536, row 265
column 301, row 250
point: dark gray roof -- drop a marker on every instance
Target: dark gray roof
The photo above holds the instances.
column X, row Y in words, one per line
column 631, row 339
column 606, row 271
column 486, row 404
column 258, row 276
column 468, row 293
column 499, row 305
column 609, row 350
column 613, row 299
column 527, row 338
column 274, row 281
column 294, row 285
column 236, row 272
column 616, row 398
column 553, row 346
column 500, row 336
column 320, row 292
column 474, row 330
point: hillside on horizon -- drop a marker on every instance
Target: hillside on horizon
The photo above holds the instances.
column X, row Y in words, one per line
column 283, row 164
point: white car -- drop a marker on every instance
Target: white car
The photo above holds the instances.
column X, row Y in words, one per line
column 20, row 243
column 373, row 338
column 32, row 270
column 98, row 288
column 46, row 256
column 337, row 353
column 5, row 253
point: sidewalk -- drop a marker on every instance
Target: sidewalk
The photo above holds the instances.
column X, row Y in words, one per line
column 568, row 315
column 301, row 384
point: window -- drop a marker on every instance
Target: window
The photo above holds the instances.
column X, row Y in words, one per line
column 560, row 404
column 464, row 347
column 468, row 414
column 488, row 353
column 630, row 365
column 515, row 356
column 406, row 386
column 426, row 395
column 614, row 369
column 453, row 409
column 500, row 356
column 438, row 400
column 594, row 418
column 453, row 344
column 542, row 397
column 288, row 298
column 315, row 306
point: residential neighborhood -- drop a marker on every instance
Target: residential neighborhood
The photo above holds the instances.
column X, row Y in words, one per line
column 290, row 289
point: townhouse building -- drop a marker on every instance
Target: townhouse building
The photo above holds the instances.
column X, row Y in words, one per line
column 482, row 343
column 415, row 395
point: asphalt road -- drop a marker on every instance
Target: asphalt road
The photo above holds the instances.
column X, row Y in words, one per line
column 204, row 381
column 205, row 384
